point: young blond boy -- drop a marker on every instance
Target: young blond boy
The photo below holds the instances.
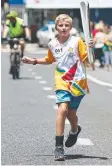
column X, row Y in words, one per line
column 69, row 53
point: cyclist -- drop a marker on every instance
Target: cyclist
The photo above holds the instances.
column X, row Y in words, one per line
column 15, row 28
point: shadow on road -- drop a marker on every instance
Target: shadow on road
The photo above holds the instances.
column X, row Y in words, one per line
column 26, row 78
column 79, row 156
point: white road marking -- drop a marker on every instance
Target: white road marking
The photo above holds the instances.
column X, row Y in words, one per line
column 42, row 82
column 98, row 81
column 84, row 141
column 38, row 77
column 47, row 88
column 51, row 96
column 29, row 69
column 110, row 90
column 33, row 73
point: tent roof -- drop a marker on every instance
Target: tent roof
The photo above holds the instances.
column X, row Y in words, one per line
column 58, row 4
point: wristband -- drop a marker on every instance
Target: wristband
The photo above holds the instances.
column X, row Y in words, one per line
column 35, row 61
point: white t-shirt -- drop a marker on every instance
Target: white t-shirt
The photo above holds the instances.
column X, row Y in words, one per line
column 99, row 37
column 70, row 74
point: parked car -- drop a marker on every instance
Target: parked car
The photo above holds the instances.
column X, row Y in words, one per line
column 48, row 32
column 45, row 34
column 74, row 32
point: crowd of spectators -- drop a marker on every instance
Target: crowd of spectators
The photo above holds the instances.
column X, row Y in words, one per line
column 102, row 36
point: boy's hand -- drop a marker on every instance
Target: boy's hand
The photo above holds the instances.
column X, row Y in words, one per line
column 28, row 60
column 91, row 43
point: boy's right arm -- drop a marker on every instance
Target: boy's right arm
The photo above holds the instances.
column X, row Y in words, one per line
column 49, row 59
column 34, row 61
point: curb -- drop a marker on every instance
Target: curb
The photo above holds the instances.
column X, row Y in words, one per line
column 102, row 83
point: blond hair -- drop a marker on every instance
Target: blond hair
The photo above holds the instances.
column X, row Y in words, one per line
column 63, row 17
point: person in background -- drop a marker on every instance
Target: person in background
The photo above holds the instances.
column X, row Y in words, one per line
column 99, row 44
column 108, row 47
column 15, row 28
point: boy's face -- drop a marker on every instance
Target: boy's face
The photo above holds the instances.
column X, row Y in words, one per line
column 63, row 28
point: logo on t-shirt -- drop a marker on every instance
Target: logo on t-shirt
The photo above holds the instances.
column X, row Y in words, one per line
column 71, row 51
column 58, row 50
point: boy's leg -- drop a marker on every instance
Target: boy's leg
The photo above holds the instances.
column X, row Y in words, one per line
column 61, row 116
column 73, row 119
column 60, row 125
column 75, row 128
column 62, row 99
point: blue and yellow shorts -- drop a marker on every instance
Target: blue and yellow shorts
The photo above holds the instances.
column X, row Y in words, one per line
column 65, row 96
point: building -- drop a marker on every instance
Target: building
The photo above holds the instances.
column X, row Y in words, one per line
column 39, row 11
column 17, row 5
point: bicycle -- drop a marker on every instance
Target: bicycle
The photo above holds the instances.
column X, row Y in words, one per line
column 15, row 57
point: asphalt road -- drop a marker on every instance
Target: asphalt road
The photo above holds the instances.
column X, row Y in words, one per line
column 28, row 116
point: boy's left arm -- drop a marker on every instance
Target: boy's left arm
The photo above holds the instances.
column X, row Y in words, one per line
column 83, row 51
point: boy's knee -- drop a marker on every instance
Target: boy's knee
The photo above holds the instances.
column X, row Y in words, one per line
column 63, row 109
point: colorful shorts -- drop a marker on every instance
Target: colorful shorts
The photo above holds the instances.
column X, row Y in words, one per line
column 65, row 96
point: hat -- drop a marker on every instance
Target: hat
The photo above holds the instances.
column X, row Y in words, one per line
column 12, row 14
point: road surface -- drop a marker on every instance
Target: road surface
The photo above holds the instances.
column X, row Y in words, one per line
column 28, row 117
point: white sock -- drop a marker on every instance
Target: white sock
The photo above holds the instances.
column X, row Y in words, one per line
column 73, row 133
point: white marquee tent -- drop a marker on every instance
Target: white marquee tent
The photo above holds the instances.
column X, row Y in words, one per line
column 58, row 4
